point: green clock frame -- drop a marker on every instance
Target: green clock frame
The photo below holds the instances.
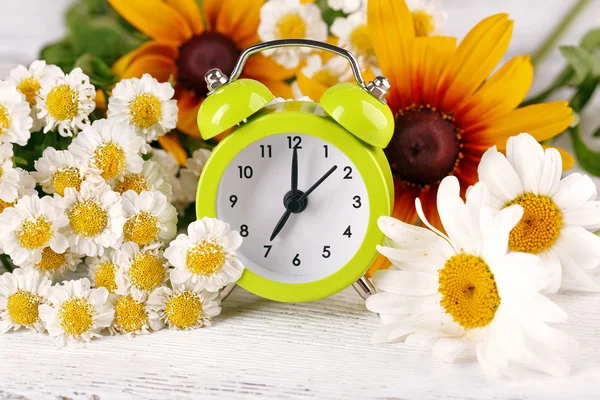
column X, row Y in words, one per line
column 310, row 119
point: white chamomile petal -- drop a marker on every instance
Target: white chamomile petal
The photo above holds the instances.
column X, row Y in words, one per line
column 324, row 74
column 103, row 270
column 190, row 174
column 428, row 16
column 15, row 121
column 53, row 264
column 150, row 178
column 140, row 270
column 9, row 177
column 346, row 6
column 353, row 35
column 131, row 316
column 144, row 105
column 149, row 218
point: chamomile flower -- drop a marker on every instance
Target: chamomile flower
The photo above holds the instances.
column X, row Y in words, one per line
column 558, row 213
column 171, row 171
column 290, row 19
column 149, row 217
column 206, row 255
column 26, row 187
column 318, row 76
column 428, row 16
column 15, row 121
column 150, row 178
column 190, row 174
column 346, row 6
column 110, row 147
column 55, row 263
column 145, row 105
column 103, row 270
column 140, row 270
column 186, row 306
column 28, row 82
column 57, row 170
column 465, row 291
column 75, row 313
column 95, row 218
column 30, row 226
column 66, row 102
column 9, row 177
column 21, row 293
column 353, row 35
column 131, row 316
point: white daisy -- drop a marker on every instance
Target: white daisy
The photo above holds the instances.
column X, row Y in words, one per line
column 140, row 270
column 558, row 213
column 28, row 82
column 21, row 293
column 54, row 264
column 206, row 255
column 464, row 291
column 428, row 16
column 131, row 316
column 346, row 6
column 75, row 313
column 290, row 19
column 149, row 218
column 66, row 102
column 25, row 187
column 15, row 121
column 95, row 218
column 111, row 147
column 103, row 270
column 9, row 177
column 59, row 169
column 145, row 105
column 318, row 76
column 190, row 174
column 186, row 306
column 170, row 168
column 31, row 225
column 353, row 35
column 151, row 178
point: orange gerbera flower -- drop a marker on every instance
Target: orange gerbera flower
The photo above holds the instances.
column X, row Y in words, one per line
column 187, row 41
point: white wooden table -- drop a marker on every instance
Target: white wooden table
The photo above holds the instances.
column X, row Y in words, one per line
column 261, row 348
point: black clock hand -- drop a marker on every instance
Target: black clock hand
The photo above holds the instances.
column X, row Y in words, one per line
column 280, row 224
column 294, row 173
column 317, row 183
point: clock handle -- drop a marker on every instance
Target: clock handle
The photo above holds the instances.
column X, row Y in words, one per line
column 364, row 287
column 378, row 87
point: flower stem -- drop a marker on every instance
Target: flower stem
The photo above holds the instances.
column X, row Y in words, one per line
column 551, row 40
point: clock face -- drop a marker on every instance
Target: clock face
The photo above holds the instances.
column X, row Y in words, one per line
column 321, row 235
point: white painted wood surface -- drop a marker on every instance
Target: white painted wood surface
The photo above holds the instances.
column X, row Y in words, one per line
column 259, row 348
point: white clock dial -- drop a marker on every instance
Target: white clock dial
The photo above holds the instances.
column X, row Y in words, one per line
column 313, row 243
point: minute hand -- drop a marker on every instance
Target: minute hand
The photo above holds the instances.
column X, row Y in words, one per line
column 317, row 183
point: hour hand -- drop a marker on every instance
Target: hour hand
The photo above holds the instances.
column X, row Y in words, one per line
column 280, row 224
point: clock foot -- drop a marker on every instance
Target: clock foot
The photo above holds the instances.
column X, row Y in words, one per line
column 226, row 291
column 364, row 287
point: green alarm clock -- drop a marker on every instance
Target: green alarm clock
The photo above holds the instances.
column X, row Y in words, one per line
column 303, row 182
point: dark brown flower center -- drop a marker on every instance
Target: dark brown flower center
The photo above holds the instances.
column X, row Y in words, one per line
column 201, row 53
column 425, row 146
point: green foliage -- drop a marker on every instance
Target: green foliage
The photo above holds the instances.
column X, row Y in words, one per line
column 328, row 14
column 588, row 159
column 580, row 60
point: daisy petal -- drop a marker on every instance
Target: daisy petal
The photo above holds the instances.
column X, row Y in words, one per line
column 526, row 155
column 574, row 191
column 409, row 283
column 586, row 216
column 506, row 185
column 571, row 269
column 447, row 349
column 551, row 172
column 581, row 245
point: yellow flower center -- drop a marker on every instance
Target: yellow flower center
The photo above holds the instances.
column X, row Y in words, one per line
column 64, row 178
column 184, row 309
column 142, row 228
column 147, row 272
column 540, row 226
column 110, row 159
column 135, row 182
column 469, row 292
column 361, row 41
column 325, row 77
column 145, row 110
column 29, row 87
column 76, row 316
column 51, row 260
column 4, row 119
column 290, row 26
column 62, row 102
column 34, row 234
column 205, row 258
column 4, row 204
column 105, row 276
column 88, row 218
column 423, row 22
column 130, row 315
column 22, row 307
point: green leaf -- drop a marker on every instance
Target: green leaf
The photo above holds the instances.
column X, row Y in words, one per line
column 588, row 159
column 20, row 162
column 580, row 60
column 60, row 53
column 100, row 74
column 591, row 40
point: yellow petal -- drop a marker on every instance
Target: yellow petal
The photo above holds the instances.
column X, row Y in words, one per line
column 568, row 161
column 260, row 66
column 171, row 143
column 160, row 67
column 239, row 20
column 188, row 104
column 190, row 11
column 278, row 88
column 211, row 11
column 310, row 87
column 430, row 55
column 152, row 47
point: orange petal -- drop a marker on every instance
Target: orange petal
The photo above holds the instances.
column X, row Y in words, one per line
column 381, row 262
column 166, row 49
column 189, row 10
column 100, row 100
column 160, row 67
column 278, row 88
column 404, row 202
column 211, row 11
column 238, row 20
column 188, row 105
column 171, row 143
column 475, row 58
column 542, row 121
column 568, row 161
column 310, row 87
column 155, row 18
column 430, row 55
column 493, row 99
column 260, row 66
column 392, row 32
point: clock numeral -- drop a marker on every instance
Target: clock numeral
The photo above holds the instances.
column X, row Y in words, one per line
column 348, row 171
column 233, row 199
column 357, row 202
column 326, row 252
column 348, row 232
column 268, row 247
column 326, row 147
column 245, row 172
column 294, row 142
column 266, row 151
column 296, row 261
column 244, row 231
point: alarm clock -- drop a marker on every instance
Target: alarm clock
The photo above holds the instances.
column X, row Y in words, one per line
column 303, row 182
